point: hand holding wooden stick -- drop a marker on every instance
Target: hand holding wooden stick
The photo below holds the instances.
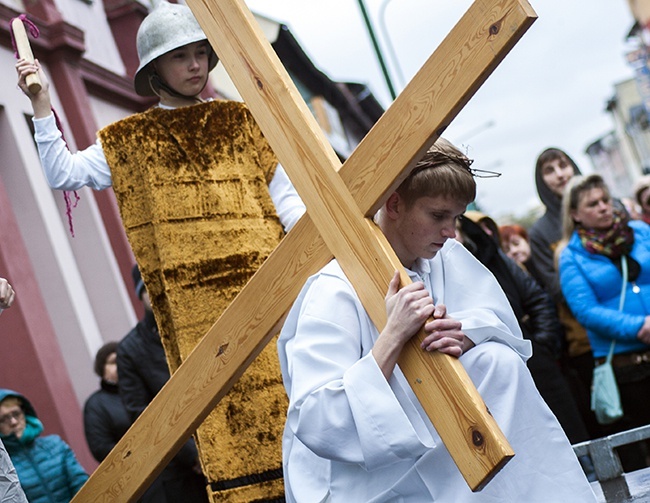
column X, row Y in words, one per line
column 25, row 52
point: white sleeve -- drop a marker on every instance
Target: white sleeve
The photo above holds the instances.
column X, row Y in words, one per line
column 288, row 204
column 473, row 296
column 65, row 170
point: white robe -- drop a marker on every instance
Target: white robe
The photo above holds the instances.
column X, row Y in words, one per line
column 352, row 436
column 10, row 488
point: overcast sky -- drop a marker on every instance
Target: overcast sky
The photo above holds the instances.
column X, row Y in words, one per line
column 551, row 90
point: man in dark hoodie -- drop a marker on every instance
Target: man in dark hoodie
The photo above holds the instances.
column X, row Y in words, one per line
column 553, row 170
column 105, row 417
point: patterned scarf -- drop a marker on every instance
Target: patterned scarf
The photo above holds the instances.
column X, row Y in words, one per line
column 612, row 242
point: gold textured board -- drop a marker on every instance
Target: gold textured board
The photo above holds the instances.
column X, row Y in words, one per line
column 200, row 221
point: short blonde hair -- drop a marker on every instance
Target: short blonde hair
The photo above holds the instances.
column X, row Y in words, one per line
column 443, row 171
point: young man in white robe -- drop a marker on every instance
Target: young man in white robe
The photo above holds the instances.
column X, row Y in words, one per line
column 355, row 430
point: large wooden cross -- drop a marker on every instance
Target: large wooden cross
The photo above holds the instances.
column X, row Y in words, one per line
column 339, row 200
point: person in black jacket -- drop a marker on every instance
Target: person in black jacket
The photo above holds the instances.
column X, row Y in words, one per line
column 142, row 370
column 539, row 323
column 105, row 417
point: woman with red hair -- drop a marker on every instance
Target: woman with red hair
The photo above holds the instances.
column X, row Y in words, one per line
column 515, row 244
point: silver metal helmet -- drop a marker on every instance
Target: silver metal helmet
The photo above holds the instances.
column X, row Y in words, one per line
column 167, row 27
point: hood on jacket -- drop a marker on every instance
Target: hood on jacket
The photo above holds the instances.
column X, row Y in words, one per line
column 488, row 252
column 549, row 198
column 483, row 246
column 28, row 408
column 487, row 224
column 33, row 425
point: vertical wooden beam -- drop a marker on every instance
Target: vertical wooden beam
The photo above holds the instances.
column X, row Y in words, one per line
column 447, row 394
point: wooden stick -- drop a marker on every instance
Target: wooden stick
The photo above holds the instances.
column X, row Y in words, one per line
column 25, row 52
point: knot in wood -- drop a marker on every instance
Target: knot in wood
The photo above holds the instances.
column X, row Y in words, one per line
column 495, row 28
column 222, row 349
column 477, row 438
column 260, row 84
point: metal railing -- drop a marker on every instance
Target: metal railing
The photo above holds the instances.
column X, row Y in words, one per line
column 607, row 464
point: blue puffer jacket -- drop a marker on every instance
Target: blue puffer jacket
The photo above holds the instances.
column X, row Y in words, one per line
column 591, row 285
column 47, row 467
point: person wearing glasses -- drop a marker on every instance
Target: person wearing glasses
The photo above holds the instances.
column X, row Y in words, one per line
column 46, row 466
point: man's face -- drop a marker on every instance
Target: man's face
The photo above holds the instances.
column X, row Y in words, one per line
column 423, row 229
column 12, row 419
column 556, row 174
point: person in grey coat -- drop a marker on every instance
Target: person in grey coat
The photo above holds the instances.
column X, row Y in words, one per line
column 10, row 490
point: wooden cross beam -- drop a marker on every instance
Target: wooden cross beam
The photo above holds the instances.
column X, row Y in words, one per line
column 335, row 225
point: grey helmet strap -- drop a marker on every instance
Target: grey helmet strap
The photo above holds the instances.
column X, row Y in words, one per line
column 156, row 83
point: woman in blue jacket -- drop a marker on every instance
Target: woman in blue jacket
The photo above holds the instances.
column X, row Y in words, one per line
column 596, row 237
column 47, row 468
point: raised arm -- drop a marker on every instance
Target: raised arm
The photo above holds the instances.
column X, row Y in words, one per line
column 63, row 169
column 41, row 102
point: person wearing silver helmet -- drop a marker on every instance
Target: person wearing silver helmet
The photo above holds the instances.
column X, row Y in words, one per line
column 175, row 60
column 165, row 38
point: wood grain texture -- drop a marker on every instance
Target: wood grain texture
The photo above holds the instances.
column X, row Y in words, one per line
column 24, row 50
column 453, row 405
column 423, row 110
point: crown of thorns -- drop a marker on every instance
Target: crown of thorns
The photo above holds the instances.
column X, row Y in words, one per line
column 435, row 158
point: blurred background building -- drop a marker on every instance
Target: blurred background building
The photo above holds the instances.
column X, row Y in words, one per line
column 623, row 155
